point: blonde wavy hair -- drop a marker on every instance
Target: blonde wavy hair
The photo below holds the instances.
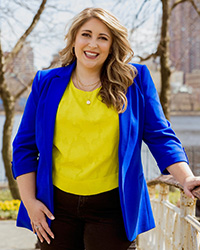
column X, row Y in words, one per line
column 116, row 74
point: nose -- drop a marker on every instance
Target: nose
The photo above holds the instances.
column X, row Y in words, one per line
column 92, row 43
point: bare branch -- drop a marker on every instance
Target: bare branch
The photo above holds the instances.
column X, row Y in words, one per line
column 22, row 39
column 140, row 9
column 144, row 19
column 138, row 25
column 23, row 4
column 23, row 90
column 11, row 26
column 154, row 55
column 116, row 3
column 57, row 8
column 195, row 6
column 177, row 2
column 183, row 1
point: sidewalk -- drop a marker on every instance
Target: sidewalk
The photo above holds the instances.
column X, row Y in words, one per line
column 15, row 238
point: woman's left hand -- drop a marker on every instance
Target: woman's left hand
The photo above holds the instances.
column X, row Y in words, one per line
column 189, row 184
column 183, row 174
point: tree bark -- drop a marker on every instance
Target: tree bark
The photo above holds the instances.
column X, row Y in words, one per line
column 164, row 59
column 8, row 103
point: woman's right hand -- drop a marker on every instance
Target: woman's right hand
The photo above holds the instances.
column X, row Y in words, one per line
column 37, row 212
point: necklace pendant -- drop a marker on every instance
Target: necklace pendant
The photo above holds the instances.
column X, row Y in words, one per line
column 88, row 102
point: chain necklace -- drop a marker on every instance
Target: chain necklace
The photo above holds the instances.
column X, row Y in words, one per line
column 84, row 85
column 95, row 86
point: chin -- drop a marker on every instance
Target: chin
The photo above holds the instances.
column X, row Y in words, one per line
column 93, row 66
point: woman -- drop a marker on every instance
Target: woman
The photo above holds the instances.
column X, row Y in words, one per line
column 76, row 155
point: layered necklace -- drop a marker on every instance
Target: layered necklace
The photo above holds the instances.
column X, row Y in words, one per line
column 92, row 86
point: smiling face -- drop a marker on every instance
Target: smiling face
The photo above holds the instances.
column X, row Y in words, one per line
column 92, row 45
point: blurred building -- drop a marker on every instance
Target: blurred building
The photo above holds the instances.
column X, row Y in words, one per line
column 185, row 37
column 185, row 89
column 19, row 74
column 185, row 57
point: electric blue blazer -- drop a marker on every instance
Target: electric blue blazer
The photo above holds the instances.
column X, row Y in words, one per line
column 143, row 120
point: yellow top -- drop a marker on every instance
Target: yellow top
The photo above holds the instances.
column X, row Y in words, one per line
column 85, row 146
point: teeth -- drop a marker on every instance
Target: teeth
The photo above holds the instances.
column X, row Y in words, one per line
column 91, row 54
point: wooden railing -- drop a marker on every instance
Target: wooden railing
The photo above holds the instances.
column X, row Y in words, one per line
column 176, row 228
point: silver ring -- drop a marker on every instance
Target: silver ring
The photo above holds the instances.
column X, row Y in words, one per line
column 37, row 227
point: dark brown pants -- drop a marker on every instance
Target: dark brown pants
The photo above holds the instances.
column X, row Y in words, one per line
column 87, row 222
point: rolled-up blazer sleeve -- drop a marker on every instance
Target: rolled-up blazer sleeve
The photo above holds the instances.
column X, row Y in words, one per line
column 25, row 151
column 158, row 134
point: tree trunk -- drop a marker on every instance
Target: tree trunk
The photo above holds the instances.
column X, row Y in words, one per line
column 164, row 59
column 9, row 105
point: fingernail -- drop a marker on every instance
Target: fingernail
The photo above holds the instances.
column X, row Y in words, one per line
column 52, row 236
column 52, row 217
column 48, row 242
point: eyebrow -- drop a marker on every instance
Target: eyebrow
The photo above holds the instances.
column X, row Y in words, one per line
column 99, row 34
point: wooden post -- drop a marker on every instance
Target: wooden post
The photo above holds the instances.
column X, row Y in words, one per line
column 187, row 207
column 161, row 221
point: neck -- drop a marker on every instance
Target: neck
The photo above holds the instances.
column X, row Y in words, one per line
column 87, row 76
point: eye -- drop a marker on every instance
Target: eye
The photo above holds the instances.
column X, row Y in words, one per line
column 103, row 38
column 86, row 34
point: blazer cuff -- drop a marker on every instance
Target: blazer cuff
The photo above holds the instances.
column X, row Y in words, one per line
column 23, row 169
column 172, row 159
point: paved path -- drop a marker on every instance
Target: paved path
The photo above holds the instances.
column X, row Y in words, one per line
column 15, row 238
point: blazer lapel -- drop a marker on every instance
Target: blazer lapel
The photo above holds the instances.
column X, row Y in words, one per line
column 130, row 130
column 56, row 90
column 126, row 140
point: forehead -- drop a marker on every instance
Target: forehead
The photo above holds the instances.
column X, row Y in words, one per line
column 95, row 25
